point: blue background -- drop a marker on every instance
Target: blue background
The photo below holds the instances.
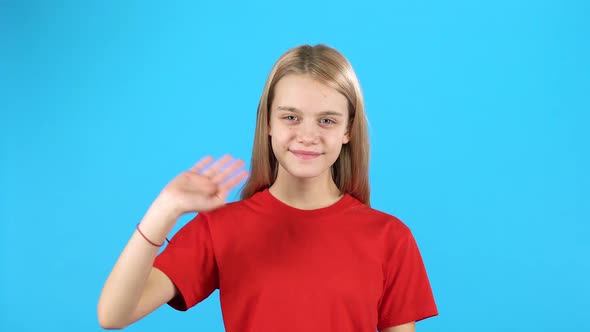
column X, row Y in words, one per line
column 478, row 117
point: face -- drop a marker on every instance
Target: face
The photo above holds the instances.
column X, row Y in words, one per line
column 308, row 126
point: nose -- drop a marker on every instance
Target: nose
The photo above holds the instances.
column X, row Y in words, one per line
column 307, row 133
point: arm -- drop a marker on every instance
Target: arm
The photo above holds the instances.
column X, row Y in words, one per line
column 408, row 327
column 134, row 288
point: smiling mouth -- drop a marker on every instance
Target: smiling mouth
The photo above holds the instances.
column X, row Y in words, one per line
column 305, row 155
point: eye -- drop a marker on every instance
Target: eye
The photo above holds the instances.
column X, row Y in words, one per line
column 290, row 117
column 327, row 121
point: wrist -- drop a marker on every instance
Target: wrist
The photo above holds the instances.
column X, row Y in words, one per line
column 165, row 206
column 158, row 221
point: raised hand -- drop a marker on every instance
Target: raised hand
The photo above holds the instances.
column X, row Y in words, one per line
column 204, row 186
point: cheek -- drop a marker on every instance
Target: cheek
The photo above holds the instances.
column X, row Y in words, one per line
column 284, row 133
column 280, row 138
column 335, row 138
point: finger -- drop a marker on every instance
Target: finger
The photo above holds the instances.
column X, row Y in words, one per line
column 221, row 196
column 221, row 176
column 201, row 164
column 231, row 183
column 228, row 186
column 211, row 171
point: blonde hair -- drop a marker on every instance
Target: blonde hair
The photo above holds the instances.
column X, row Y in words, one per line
column 350, row 172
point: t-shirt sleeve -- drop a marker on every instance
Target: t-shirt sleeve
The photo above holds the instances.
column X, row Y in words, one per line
column 407, row 295
column 189, row 261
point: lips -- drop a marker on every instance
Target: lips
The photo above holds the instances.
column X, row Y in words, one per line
column 302, row 154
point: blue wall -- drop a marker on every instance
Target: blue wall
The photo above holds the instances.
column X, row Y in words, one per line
column 479, row 124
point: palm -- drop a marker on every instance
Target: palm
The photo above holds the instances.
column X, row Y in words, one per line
column 200, row 189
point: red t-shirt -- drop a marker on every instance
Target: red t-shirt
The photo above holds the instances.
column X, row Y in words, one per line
column 345, row 267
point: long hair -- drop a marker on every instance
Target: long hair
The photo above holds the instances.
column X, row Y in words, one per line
column 350, row 172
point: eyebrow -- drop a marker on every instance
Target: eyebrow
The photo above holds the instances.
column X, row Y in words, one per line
column 296, row 110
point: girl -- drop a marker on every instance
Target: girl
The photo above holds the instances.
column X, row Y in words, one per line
column 302, row 250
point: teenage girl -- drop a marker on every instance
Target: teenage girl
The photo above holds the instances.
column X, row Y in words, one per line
column 302, row 250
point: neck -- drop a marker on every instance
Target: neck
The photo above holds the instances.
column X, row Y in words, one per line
column 305, row 194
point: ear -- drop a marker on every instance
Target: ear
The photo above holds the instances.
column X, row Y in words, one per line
column 268, row 126
column 346, row 137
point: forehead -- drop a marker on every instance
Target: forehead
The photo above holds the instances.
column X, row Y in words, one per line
column 308, row 95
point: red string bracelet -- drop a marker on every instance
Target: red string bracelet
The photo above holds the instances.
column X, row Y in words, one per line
column 148, row 240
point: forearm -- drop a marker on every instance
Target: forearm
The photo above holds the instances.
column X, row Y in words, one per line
column 126, row 282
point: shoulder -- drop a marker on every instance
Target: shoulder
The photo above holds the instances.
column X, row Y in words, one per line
column 384, row 220
column 390, row 235
column 232, row 210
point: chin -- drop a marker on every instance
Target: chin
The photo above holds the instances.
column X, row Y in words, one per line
column 305, row 174
column 305, row 171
